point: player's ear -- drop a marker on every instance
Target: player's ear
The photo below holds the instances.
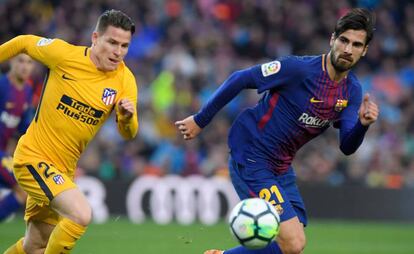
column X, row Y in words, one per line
column 365, row 50
column 331, row 42
column 94, row 38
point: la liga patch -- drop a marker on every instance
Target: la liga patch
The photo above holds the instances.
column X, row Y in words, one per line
column 44, row 42
column 270, row 68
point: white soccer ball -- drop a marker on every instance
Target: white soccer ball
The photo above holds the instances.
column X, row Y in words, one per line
column 254, row 222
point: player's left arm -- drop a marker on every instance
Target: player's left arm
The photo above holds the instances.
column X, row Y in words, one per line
column 49, row 52
column 126, row 109
column 355, row 120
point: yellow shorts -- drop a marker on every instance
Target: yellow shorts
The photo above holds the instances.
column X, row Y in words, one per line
column 42, row 182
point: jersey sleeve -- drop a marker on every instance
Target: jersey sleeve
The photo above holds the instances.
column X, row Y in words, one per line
column 47, row 51
column 351, row 131
column 128, row 129
column 230, row 88
column 277, row 73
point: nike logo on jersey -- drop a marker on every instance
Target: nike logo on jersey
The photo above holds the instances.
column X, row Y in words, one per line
column 313, row 100
column 67, row 78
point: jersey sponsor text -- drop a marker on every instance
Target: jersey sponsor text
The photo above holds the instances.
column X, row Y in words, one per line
column 313, row 121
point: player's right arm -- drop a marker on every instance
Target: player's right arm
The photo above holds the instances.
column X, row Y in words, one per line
column 261, row 77
column 47, row 51
column 192, row 125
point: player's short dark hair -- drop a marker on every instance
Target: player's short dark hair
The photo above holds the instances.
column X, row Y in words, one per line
column 114, row 18
column 356, row 19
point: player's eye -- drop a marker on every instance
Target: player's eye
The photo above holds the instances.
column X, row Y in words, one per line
column 343, row 40
column 358, row 45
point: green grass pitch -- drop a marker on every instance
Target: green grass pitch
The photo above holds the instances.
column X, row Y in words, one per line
column 324, row 237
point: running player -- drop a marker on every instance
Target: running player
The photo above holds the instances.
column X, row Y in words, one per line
column 303, row 96
column 15, row 116
column 83, row 86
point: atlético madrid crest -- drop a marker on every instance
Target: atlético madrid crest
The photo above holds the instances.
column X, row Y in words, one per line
column 108, row 96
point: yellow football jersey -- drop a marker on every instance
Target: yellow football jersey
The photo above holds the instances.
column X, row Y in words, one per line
column 76, row 100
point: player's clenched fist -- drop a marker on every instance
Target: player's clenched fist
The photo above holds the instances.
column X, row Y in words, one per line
column 126, row 108
column 368, row 112
column 188, row 128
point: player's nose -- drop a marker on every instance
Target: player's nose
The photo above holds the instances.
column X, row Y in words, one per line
column 118, row 51
column 348, row 48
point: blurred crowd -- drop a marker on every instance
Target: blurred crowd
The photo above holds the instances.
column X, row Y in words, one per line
column 184, row 49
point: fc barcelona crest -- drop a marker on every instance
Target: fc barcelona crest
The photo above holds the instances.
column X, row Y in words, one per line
column 340, row 105
column 108, row 96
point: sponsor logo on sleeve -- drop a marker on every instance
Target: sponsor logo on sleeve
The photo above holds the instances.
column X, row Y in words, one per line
column 270, row 68
column 44, row 42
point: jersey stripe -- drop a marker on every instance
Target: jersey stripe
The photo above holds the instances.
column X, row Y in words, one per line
column 268, row 115
column 41, row 96
column 40, row 181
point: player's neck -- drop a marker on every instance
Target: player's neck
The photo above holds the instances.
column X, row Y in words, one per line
column 16, row 82
column 334, row 75
column 95, row 60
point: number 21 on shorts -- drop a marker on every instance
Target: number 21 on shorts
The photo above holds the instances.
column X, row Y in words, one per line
column 266, row 194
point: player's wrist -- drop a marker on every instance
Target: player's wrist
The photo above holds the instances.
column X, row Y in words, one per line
column 124, row 117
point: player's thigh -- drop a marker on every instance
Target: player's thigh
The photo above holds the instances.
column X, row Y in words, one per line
column 73, row 204
column 41, row 180
column 37, row 236
column 280, row 191
column 20, row 194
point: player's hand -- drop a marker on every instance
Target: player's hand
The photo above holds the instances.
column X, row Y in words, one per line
column 126, row 109
column 368, row 112
column 188, row 128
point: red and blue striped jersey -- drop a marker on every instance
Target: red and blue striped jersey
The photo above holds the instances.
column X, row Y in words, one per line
column 299, row 102
column 14, row 105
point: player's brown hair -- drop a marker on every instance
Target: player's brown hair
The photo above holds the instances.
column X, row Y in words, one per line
column 114, row 18
column 356, row 19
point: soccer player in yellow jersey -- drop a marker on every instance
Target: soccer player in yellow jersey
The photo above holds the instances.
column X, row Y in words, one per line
column 83, row 86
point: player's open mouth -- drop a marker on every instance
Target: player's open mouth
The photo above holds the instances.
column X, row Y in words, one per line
column 113, row 61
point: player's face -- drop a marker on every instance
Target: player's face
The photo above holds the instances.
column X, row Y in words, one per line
column 347, row 49
column 110, row 48
column 21, row 67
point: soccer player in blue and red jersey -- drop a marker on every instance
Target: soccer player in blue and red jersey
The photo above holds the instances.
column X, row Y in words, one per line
column 303, row 96
column 15, row 116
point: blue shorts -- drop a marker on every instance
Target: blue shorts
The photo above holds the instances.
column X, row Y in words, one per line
column 280, row 190
column 7, row 179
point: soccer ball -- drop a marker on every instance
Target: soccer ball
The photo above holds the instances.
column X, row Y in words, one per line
column 254, row 222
